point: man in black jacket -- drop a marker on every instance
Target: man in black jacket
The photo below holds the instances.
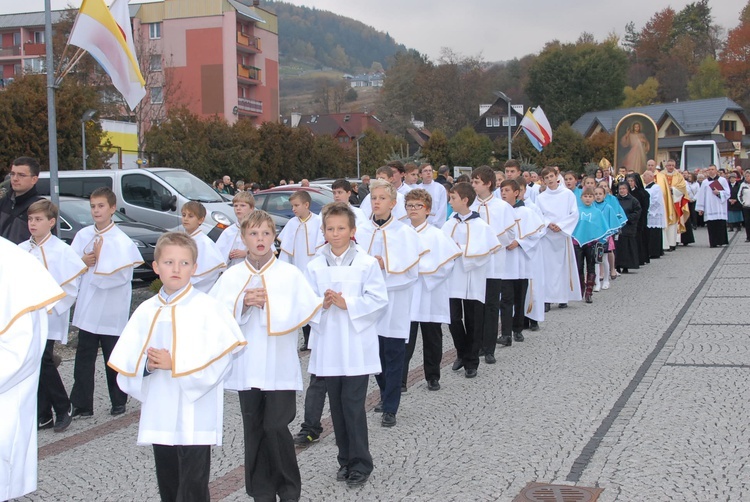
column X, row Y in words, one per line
column 24, row 174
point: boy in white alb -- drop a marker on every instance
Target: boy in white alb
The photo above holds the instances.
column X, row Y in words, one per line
column 233, row 250
column 300, row 240
column 397, row 248
column 67, row 268
column 344, row 339
column 103, row 304
column 498, row 215
column 430, row 305
column 385, row 173
column 270, row 300
column 210, row 262
column 468, row 280
column 165, row 360
column 28, row 292
column 342, row 190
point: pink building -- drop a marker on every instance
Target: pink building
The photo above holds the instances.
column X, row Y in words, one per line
column 219, row 57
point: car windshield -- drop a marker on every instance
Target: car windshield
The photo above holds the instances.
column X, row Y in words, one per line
column 189, row 186
column 80, row 212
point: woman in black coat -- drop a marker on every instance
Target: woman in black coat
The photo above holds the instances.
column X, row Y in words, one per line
column 626, row 252
column 644, row 199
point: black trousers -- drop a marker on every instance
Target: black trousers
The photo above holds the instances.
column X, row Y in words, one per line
column 271, row 467
column 432, row 343
column 746, row 218
column 182, row 472
column 585, row 256
column 82, row 395
column 490, row 314
column 306, row 333
column 315, row 401
column 392, row 352
column 347, row 395
column 51, row 394
column 466, row 330
column 717, row 232
column 512, row 299
column 655, row 242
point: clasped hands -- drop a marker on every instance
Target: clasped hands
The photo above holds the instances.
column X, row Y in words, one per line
column 91, row 258
column 330, row 297
column 158, row 359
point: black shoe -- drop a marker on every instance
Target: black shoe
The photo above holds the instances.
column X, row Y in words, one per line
column 388, row 420
column 489, row 359
column 56, row 360
column 625, row 271
column 47, row 424
column 378, row 407
column 117, row 410
column 546, row 307
column 304, row 348
column 433, row 385
column 562, row 305
column 357, row 478
column 481, row 352
column 404, row 389
column 505, row 341
column 534, row 326
column 470, row 373
column 63, row 421
column 457, row 364
column 343, row 473
column 81, row 413
column 518, row 337
column 304, row 438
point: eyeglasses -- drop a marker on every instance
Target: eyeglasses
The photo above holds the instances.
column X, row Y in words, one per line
column 19, row 175
column 414, row 206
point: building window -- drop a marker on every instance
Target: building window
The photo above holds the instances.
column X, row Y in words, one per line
column 155, row 63
column 728, row 126
column 157, row 95
column 38, row 37
column 672, row 131
column 17, row 38
column 33, row 65
column 512, row 121
column 492, row 121
column 154, row 31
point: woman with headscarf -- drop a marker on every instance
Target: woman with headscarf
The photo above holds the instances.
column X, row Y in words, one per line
column 635, row 184
column 626, row 256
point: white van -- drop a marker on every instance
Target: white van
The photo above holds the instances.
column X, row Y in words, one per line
column 152, row 195
column 699, row 153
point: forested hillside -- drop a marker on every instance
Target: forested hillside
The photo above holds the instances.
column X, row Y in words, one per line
column 340, row 42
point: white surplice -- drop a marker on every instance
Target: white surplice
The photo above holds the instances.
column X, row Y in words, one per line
column 714, row 207
column 229, row 240
column 300, row 240
column 103, row 304
column 535, row 294
column 210, row 262
column 430, row 302
column 560, row 269
column 400, row 247
column 345, row 342
column 28, row 292
column 270, row 361
column 439, row 211
column 477, row 241
column 67, row 268
column 184, row 405
column 499, row 215
column 657, row 215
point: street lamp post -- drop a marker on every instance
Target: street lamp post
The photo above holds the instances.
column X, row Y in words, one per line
column 358, row 138
column 87, row 115
column 508, row 100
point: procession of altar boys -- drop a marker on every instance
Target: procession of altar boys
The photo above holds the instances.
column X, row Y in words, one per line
column 361, row 283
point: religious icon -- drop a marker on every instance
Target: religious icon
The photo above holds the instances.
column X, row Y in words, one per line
column 635, row 142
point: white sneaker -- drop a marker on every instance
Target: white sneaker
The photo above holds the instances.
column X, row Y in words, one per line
column 597, row 287
column 605, row 284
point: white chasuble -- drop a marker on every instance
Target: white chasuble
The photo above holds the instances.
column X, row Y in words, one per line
column 270, row 361
column 184, row 405
column 499, row 215
column 300, row 240
column 210, row 262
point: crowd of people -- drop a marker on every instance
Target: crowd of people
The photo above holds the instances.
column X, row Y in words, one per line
column 488, row 254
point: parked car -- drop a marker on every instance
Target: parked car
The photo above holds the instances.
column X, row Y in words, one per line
column 275, row 201
column 152, row 195
column 75, row 213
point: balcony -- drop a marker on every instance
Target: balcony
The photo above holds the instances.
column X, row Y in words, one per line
column 251, row 106
column 248, row 44
column 733, row 135
column 10, row 51
column 34, row 49
column 248, row 74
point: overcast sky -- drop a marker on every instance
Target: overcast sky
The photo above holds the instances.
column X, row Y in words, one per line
column 496, row 29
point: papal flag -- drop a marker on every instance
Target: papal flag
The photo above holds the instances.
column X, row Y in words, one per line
column 108, row 39
column 537, row 128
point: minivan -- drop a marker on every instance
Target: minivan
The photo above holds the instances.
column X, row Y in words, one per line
column 152, row 195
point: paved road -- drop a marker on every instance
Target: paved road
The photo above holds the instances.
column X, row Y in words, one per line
column 644, row 393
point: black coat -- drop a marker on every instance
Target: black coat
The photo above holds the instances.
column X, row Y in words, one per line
column 14, row 224
column 734, row 193
column 632, row 209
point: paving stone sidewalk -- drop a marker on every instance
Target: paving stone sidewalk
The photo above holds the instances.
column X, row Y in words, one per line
column 643, row 393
